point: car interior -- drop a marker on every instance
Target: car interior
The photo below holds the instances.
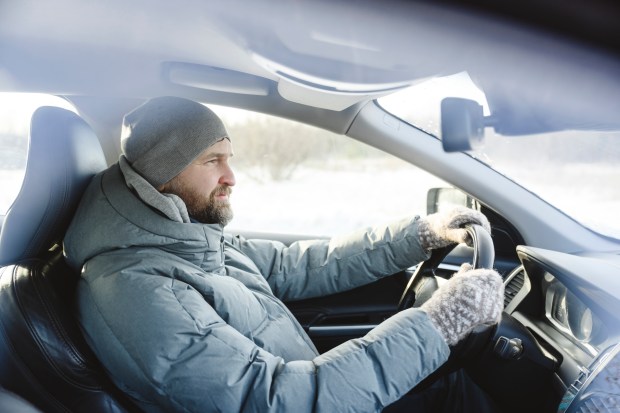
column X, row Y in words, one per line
column 559, row 337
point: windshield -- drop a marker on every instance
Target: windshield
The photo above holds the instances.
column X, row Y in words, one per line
column 576, row 171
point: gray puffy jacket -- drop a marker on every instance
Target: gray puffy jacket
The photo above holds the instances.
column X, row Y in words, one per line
column 187, row 318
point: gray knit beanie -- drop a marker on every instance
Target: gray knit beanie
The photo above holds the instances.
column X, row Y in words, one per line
column 163, row 136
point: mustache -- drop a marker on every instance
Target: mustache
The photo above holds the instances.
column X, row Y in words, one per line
column 221, row 190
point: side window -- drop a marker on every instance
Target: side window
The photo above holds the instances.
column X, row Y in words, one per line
column 16, row 109
column 294, row 178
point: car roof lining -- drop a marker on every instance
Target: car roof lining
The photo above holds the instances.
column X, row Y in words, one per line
column 49, row 56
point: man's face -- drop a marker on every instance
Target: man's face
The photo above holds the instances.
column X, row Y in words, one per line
column 205, row 185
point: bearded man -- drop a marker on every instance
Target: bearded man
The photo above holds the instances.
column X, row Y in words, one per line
column 186, row 317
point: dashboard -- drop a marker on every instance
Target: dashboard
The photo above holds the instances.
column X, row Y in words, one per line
column 570, row 304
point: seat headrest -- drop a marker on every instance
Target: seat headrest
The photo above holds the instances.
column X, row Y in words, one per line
column 63, row 155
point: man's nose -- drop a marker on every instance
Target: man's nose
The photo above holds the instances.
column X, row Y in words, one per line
column 228, row 178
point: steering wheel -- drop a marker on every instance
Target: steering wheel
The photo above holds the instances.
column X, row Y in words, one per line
column 424, row 280
column 479, row 352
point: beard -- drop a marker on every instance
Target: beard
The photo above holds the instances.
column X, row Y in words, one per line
column 209, row 209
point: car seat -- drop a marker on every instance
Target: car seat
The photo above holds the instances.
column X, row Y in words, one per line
column 10, row 402
column 43, row 355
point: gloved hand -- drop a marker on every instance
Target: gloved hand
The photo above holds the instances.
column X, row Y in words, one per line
column 444, row 228
column 468, row 299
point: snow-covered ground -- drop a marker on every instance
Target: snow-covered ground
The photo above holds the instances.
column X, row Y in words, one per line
column 320, row 201
column 328, row 202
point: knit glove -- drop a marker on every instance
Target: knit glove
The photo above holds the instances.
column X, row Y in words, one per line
column 444, row 228
column 468, row 299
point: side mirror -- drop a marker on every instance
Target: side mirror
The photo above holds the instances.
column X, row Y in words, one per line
column 442, row 198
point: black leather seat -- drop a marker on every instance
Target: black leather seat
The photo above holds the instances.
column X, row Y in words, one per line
column 43, row 356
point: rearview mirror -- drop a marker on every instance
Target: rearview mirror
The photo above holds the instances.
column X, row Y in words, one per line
column 438, row 199
column 462, row 124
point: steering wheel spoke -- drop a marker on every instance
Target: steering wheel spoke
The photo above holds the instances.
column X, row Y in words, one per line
column 424, row 282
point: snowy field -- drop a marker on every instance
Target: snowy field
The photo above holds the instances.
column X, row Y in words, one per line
column 329, row 202
column 320, row 202
column 588, row 192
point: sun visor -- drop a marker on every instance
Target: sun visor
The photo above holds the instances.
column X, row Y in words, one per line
column 319, row 98
column 215, row 79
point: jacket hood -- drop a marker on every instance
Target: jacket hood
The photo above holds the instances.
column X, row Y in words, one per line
column 111, row 216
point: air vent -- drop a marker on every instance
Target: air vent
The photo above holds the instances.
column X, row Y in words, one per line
column 513, row 286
